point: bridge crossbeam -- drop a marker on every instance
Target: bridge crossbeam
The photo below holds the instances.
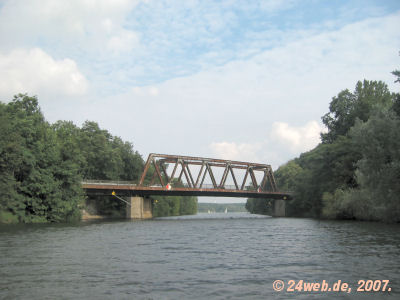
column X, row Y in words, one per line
column 188, row 177
column 128, row 189
column 157, row 164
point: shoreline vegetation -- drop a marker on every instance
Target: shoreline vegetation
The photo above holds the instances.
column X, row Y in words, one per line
column 354, row 173
column 205, row 207
column 42, row 166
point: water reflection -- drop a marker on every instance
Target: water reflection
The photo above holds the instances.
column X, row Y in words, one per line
column 216, row 256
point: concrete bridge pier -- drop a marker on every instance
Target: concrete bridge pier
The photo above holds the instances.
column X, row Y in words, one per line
column 279, row 209
column 140, row 208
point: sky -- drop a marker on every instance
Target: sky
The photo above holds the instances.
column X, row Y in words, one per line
column 239, row 80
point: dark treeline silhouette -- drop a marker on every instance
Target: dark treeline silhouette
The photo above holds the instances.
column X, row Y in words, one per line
column 42, row 166
column 354, row 173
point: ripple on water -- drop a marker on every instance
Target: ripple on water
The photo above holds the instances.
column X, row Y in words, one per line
column 222, row 256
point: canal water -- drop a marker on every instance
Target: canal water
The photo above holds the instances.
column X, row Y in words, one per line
column 208, row 256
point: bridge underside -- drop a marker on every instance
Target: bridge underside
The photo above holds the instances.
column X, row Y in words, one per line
column 196, row 178
column 132, row 190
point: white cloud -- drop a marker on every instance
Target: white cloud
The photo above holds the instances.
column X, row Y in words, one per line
column 276, row 5
column 35, row 72
column 93, row 25
column 145, row 91
column 247, row 109
column 123, row 42
column 234, row 151
column 228, row 111
column 298, row 139
column 282, row 142
column 153, row 91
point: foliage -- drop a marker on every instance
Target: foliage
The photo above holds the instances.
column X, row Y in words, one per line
column 346, row 107
column 39, row 182
column 42, row 166
column 323, row 169
column 396, row 105
column 259, row 206
column 174, row 206
column 397, row 74
column 374, row 197
column 220, row 207
column 355, row 172
column 107, row 157
column 286, row 175
column 378, row 171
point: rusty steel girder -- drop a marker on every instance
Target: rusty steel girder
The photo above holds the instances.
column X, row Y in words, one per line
column 158, row 165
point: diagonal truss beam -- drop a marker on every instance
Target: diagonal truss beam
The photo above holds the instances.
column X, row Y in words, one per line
column 156, row 167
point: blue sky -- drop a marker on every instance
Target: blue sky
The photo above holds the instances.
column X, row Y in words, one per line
column 155, row 41
column 246, row 80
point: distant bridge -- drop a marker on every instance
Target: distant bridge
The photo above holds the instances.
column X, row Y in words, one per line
column 188, row 178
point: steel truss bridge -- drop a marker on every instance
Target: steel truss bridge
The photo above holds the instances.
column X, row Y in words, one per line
column 188, row 176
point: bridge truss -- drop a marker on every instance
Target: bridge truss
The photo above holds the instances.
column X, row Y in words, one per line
column 187, row 176
column 160, row 163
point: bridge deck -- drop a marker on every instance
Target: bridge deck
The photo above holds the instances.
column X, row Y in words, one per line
column 129, row 189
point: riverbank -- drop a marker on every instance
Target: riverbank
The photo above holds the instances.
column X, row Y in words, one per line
column 86, row 216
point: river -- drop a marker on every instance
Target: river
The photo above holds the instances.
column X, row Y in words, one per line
column 207, row 256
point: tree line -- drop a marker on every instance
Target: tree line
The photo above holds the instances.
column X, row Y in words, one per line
column 42, row 166
column 354, row 173
column 221, row 207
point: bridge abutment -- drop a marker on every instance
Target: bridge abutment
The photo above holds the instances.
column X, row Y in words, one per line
column 279, row 208
column 140, row 208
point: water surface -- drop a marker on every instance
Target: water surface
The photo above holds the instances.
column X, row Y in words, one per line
column 208, row 256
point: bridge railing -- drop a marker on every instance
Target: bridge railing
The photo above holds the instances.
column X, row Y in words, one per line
column 185, row 185
column 204, row 186
column 112, row 182
column 195, row 170
column 210, row 186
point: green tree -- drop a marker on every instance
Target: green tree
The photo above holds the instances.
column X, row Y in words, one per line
column 188, row 205
column 128, row 161
column 345, row 108
column 95, row 145
column 11, row 203
column 323, row 169
column 42, row 166
column 68, row 171
column 332, row 165
column 396, row 104
column 165, row 206
column 259, row 206
column 286, row 175
column 397, row 74
column 34, row 170
column 107, row 157
column 378, row 173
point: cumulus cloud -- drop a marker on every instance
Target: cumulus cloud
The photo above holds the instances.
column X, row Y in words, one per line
column 261, row 108
column 96, row 25
column 298, row 139
column 145, row 91
column 245, row 102
column 277, row 146
column 234, row 151
column 124, row 41
column 276, row 5
column 35, row 72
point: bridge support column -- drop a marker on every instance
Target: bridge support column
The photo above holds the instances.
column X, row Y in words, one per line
column 279, row 208
column 140, row 208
